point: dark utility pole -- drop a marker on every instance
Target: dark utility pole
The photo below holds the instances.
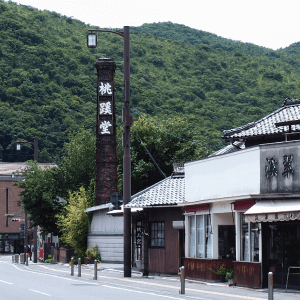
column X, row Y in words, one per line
column 35, row 158
column 127, row 119
column 6, row 210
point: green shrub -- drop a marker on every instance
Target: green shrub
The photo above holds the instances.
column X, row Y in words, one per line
column 221, row 271
column 93, row 254
column 229, row 274
column 49, row 260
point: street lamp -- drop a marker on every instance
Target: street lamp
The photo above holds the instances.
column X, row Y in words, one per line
column 127, row 120
column 35, row 158
column 35, row 147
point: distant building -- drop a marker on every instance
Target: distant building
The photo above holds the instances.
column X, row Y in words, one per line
column 12, row 215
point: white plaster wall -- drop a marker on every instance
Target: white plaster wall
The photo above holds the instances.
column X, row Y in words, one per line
column 228, row 175
column 103, row 223
column 111, row 247
column 220, row 207
column 219, row 219
column 107, row 233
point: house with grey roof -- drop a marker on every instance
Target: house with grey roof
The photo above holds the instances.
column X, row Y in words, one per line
column 158, row 224
column 242, row 204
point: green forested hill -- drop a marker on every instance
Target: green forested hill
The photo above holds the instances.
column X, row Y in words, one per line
column 47, row 79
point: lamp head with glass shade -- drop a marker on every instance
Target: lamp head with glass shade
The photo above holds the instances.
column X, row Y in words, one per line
column 92, row 40
column 18, row 146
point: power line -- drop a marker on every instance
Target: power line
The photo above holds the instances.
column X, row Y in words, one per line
column 150, row 154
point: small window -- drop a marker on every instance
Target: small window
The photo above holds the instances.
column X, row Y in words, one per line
column 158, row 234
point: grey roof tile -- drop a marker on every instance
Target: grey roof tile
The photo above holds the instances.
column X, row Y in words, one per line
column 266, row 126
column 169, row 191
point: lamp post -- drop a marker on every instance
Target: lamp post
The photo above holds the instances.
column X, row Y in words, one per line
column 35, row 158
column 127, row 120
column 35, row 147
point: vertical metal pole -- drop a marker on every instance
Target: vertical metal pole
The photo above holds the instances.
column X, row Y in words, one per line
column 35, row 149
column 127, row 119
column 79, row 267
column 35, row 157
column 6, row 210
column 35, row 244
column 270, row 286
column 95, row 270
column 26, row 237
column 182, row 280
column 27, row 257
column 72, row 266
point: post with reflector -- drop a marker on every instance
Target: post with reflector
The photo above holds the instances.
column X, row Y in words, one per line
column 270, row 286
column 95, row 270
column 72, row 266
column 182, row 280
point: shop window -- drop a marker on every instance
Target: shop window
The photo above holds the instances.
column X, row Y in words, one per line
column 200, row 242
column 227, row 241
column 192, row 226
column 254, row 242
column 249, row 240
column 158, row 234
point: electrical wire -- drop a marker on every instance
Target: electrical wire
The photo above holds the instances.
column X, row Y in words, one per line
column 148, row 152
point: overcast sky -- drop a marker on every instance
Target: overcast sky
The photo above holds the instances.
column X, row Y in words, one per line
column 269, row 23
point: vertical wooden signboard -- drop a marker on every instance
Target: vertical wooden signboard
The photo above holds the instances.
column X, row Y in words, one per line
column 106, row 145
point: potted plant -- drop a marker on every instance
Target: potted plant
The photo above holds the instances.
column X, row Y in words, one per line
column 221, row 271
column 229, row 276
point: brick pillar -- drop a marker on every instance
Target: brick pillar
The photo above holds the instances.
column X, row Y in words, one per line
column 106, row 145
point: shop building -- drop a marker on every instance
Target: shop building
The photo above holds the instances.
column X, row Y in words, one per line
column 242, row 204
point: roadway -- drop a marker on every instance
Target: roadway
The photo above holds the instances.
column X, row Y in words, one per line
column 53, row 281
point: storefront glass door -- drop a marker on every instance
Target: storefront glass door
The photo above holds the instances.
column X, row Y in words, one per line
column 282, row 245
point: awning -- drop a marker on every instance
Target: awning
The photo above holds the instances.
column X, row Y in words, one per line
column 273, row 211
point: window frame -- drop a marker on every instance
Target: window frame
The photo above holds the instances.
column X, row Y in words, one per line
column 254, row 253
column 194, row 237
column 154, row 231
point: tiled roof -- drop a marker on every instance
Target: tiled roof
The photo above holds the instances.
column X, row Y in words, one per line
column 266, row 126
column 235, row 146
column 7, row 168
column 169, row 191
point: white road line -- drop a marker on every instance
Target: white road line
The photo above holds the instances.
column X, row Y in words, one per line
column 39, row 292
column 5, row 282
column 140, row 292
column 50, row 275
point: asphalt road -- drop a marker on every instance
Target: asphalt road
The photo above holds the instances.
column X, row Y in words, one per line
column 53, row 281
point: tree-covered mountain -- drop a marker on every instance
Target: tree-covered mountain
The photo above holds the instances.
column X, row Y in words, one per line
column 47, row 80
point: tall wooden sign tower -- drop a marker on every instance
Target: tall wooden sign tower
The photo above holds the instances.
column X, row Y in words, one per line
column 106, row 144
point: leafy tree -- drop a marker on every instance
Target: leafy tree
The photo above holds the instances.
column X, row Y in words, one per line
column 74, row 223
column 78, row 162
column 43, row 190
column 155, row 146
column 39, row 196
column 47, row 79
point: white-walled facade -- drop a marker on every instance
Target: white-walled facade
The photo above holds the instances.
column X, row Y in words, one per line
column 106, row 232
column 223, row 176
